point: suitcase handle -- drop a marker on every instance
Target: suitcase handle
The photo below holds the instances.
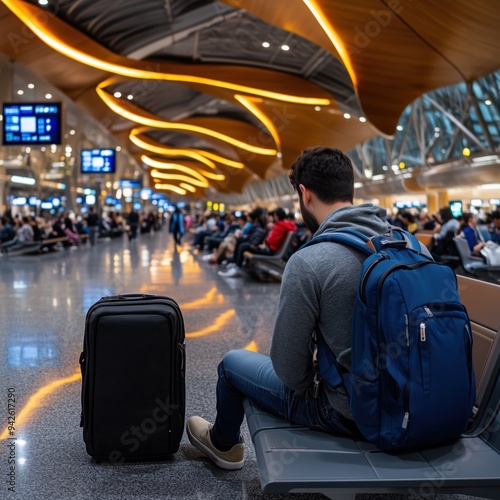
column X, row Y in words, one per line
column 133, row 296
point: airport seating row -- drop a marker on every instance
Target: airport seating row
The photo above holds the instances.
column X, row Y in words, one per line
column 296, row 459
column 36, row 247
column 265, row 267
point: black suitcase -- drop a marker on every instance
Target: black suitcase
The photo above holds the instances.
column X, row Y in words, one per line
column 133, row 378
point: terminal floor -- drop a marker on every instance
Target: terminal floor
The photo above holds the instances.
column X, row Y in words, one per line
column 43, row 302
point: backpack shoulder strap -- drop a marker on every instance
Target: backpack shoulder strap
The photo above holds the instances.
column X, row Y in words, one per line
column 349, row 237
column 411, row 239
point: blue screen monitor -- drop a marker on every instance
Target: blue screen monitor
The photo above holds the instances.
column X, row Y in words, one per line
column 456, row 208
column 98, row 161
column 31, row 124
column 130, row 183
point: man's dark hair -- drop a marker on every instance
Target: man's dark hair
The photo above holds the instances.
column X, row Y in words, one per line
column 327, row 172
column 495, row 214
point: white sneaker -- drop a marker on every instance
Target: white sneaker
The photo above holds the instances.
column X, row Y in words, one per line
column 231, row 272
column 208, row 256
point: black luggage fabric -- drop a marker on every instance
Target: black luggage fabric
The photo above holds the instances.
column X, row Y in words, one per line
column 133, row 378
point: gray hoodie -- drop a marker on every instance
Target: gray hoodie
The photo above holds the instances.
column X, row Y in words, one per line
column 319, row 288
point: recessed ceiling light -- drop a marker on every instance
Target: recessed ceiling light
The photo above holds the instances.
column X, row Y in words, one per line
column 117, row 95
column 285, row 47
column 266, row 45
column 130, row 97
column 318, row 108
column 72, row 132
column 362, row 119
column 118, row 148
column 20, row 92
column 48, row 96
column 31, row 85
column 399, row 127
column 487, row 102
column 43, row 2
column 347, row 116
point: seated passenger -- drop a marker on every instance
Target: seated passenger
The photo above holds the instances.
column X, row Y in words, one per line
column 444, row 233
column 232, row 224
column 409, row 223
column 37, row 233
column 468, row 229
column 25, row 232
column 71, row 232
column 318, row 288
column 495, row 227
column 280, row 228
column 255, row 237
column 226, row 247
column 7, row 230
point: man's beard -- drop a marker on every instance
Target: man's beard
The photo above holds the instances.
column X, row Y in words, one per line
column 308, row 217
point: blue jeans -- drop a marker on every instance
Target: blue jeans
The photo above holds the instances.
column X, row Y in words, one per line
column 246, row 374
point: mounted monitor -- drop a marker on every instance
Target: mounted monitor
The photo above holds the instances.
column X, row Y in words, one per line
column 31, row 124
column 456, row 208
column 130, row 183
column 98, row 161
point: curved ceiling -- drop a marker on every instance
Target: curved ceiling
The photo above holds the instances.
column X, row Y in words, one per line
column 250, row 82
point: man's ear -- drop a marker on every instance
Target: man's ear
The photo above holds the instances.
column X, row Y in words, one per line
column 306, row 194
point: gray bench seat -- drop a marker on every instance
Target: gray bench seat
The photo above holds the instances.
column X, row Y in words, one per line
column 294, row 459
column 272, row 266
column 297, row 459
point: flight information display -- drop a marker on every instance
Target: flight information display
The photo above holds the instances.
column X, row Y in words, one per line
column 98, row 161
column 26, row 124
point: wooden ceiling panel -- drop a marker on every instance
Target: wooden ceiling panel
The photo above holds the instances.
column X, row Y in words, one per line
column 399, row 49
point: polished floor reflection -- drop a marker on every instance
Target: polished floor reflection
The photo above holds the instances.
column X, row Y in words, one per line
column 43, row 302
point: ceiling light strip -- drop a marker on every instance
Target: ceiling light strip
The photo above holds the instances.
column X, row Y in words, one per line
column 162, row 150
column 155, row 174
column 250, row 106
column 187, row 187
column 38, row 24
column 192, row 153
column 153, row 122
column 333, row 36
column 199, row 174
column 170, row 187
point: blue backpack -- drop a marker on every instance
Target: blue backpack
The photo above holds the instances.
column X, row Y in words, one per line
column 412, row 379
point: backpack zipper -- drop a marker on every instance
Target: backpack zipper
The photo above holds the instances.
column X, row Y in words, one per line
column 406, row 417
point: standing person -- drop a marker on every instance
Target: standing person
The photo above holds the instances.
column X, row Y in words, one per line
column 93, row 224
column 318, row 291
column 133, row 222
column 176, row 226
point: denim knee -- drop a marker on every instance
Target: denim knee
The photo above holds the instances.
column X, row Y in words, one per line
column 230, row 359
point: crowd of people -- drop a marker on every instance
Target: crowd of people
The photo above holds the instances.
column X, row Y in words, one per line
column 227, row 238
column 70, row 229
